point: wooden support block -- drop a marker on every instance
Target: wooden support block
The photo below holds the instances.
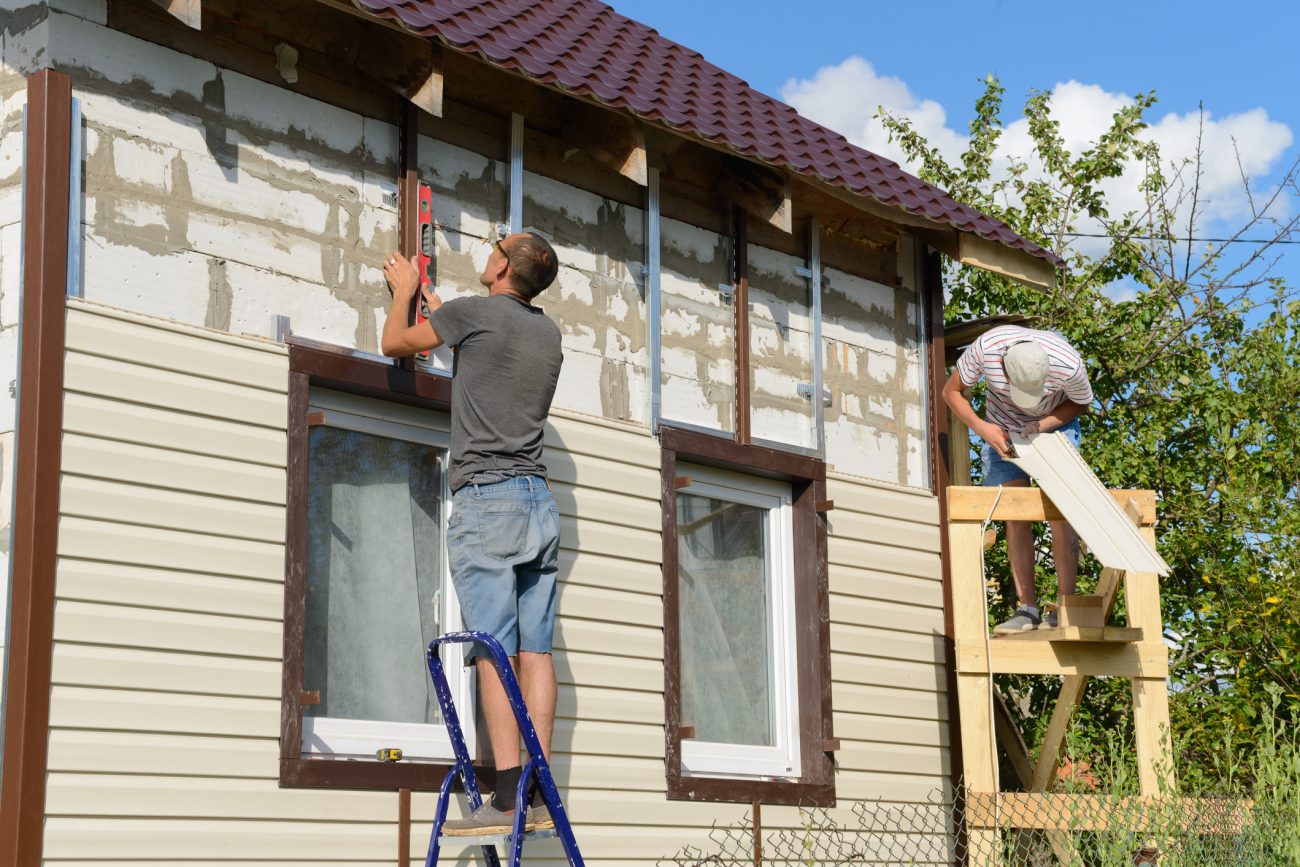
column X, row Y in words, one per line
column 315, row 418
column 762, row 192
column 686, row 733
column 188, row 12
column 825, row 505
column 683, row 482
column 309, row 697
column 831, row 745
column 990, row 538
column 1081, row 610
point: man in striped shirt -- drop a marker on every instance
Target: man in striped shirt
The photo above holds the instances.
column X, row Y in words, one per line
column 1036, row 382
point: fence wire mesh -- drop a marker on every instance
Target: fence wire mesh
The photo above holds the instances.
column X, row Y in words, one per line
column 1020, row 830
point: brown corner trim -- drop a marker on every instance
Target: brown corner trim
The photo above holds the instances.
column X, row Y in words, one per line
column 932, row 295
column 38, row 455
column 740, row 313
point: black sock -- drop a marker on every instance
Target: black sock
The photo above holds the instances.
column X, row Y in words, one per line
column 507, row 782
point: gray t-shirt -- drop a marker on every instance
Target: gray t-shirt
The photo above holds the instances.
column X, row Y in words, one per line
column 507, row 364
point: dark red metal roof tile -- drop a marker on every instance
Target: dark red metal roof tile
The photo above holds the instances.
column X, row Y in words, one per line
column 588, row 48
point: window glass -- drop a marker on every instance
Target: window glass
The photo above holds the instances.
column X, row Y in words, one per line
column 374, row 575
column 737, row 659
column 726, row 656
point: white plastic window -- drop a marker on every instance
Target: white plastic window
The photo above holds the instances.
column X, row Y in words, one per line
column 735, row 574
column 378, row 586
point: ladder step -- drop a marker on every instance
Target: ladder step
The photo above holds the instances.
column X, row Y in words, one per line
column 492, row 839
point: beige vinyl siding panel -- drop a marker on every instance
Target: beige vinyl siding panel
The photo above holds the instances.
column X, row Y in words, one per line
column 168, row 635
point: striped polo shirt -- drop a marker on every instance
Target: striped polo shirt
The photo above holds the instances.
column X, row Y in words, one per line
column 1067, row 377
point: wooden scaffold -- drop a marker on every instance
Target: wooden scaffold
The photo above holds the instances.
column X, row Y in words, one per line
column 1085, row 645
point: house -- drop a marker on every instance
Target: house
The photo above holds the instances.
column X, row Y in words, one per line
column 225, row 544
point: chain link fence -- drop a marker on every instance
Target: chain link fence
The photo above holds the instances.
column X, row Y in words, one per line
column 1021, row 830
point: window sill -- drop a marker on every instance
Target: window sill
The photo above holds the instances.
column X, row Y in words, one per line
column 381, row 776
column 788, row 793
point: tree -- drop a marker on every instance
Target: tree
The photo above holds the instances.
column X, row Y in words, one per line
column 1197, row 380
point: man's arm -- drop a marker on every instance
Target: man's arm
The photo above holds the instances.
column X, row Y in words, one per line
column 1067, row 412
column 400, row 339
column 954, row 395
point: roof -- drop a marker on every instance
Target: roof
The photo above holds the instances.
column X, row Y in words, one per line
column 586, row 48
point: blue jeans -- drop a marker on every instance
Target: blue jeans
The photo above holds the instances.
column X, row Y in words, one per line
column 999, row 471
column 503, row 544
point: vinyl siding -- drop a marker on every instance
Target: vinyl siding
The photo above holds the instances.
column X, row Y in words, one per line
column 168, row 637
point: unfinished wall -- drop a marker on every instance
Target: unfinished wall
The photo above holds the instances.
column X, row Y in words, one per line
column 598, row 297
column 872, row 354
column 18, row 28
column 781, row 354
column 697, row 327
column 216, row 199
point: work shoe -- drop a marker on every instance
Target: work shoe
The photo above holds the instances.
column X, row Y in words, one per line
column 487, row 819
column 540, row 817
column 1050, row 620
column 1022, row 621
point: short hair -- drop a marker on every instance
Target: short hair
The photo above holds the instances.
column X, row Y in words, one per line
column 533, row 264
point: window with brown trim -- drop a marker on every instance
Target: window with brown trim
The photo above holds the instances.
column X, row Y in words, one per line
column 366, row 583
column 746, row 623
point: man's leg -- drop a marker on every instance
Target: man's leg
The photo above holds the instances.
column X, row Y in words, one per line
column 537, row 671
column 503, row 733
column 1020, row 551
column 1065, row 554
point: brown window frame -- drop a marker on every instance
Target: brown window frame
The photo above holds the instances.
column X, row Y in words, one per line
column 323, row 365
column 807, row 476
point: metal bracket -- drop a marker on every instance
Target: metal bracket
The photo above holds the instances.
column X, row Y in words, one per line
column 806, row 391
column 727, row 291
column 803, row 271
column 282, row 329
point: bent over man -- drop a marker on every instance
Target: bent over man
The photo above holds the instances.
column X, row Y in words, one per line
column 503, row 536
column 1036, row 382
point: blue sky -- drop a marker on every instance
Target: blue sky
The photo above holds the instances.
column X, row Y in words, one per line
column 931, row 59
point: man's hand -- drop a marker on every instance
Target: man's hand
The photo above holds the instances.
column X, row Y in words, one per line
column 403, row 275
column 1036, row 426
column 995, row 436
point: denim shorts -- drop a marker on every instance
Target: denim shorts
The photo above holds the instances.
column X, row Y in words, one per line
column 503, row 545
column 999, row 471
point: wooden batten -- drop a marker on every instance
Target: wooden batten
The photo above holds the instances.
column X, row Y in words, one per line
column 1010, row 263
column 188, row 12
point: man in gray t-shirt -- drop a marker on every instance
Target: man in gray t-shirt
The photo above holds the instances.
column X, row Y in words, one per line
column 503, row 536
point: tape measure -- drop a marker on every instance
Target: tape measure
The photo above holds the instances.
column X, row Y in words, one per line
column 389, row 754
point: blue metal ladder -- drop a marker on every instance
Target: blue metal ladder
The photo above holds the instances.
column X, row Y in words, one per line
column 463, row 770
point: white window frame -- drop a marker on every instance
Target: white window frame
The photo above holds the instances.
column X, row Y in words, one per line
column 360, row 739
column 737, row 761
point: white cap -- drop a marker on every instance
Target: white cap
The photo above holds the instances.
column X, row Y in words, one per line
column 1026, row 365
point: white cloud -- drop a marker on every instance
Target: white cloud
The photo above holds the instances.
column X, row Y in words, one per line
column 845, row 97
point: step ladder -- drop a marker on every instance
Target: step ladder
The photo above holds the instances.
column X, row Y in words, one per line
column 463, row 769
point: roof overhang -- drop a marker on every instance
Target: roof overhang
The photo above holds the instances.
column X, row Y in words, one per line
column 1007, row 261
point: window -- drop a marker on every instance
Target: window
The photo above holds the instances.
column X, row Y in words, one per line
column 735, row 575
column 366, row 579
column 378, row 588
column 746, row 640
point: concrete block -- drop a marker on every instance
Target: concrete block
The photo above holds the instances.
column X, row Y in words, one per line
column 11, row 251
column 257, row 296
column 172, row 284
